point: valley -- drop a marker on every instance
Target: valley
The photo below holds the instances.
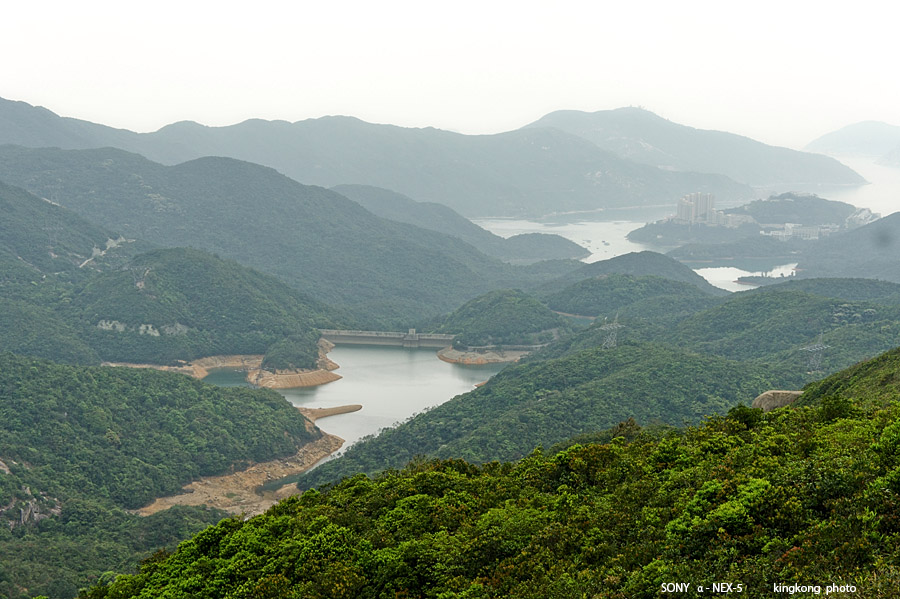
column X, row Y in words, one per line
column 482, row 396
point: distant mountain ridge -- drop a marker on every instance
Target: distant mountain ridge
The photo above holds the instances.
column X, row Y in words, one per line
column 524, row 172
column 869, row 139
column 644, row 137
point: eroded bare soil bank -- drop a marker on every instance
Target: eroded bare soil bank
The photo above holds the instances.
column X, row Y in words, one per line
column 237, row 493
column 252, row 364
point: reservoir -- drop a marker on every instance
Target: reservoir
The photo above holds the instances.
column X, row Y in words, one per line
column 391, row 383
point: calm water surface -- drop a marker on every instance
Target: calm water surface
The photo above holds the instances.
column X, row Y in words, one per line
column 390, row 383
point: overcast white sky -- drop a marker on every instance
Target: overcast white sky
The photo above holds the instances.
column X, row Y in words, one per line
column 782, row 72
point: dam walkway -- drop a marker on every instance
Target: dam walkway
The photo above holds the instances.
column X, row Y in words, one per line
column 410, row 339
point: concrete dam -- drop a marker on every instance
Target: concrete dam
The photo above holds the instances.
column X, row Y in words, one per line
column 410, row 339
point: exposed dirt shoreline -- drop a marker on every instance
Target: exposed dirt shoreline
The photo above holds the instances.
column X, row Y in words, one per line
column 252, row 363
column 454, row 356
column 313, row 414
column 237, row 493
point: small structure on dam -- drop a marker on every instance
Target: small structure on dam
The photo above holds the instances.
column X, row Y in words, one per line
column 410, row 339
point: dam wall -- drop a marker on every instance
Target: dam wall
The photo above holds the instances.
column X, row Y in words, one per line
column 409, row 339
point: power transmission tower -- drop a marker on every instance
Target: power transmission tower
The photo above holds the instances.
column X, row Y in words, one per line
column 52, row 227
column 815, row 351
column 612, row 332
column 138, row 273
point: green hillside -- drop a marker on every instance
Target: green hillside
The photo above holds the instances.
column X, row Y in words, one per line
column 607, row 294
column 45, row 238
column 865, row 386
column 386, row 273
column 761, row 325
column 66, row 299
column 852, row 289
column 768, row 327
column 181, row 304
column 79, row 445
column 637, row 264
column 799, row 496
column 35, row 330
column 503, row 317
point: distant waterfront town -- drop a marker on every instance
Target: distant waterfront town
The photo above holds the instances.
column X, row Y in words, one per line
column 699, row 208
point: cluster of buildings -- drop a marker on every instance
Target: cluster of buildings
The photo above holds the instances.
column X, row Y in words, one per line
column 806, row 233
column 700, row 208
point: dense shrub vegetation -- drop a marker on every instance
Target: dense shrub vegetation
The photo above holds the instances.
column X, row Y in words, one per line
column 81, row 444
column 806, row 495
column 606, row 294
column 505, row 316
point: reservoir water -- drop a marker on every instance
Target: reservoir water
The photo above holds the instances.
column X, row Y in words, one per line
column 391, row 383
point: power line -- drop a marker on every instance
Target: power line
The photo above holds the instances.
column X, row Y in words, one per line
column 612, row 332
column 816, row 351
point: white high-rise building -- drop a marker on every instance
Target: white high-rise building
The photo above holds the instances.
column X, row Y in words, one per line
column 697, row 207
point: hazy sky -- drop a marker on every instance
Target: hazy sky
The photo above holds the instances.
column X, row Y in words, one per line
column 783, row 72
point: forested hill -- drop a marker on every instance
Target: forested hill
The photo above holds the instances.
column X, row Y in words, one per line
column 769, row 327
column 529, row 247
column 852, row 289
column 74, row 292
column 606, row 294
column 316, row 240
column 639, row 264
column 800, row 495
column 503, row 317
column 38, row 237
column 78, row 445
column 181, row 304
column 525, row 172
column 645, row 137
